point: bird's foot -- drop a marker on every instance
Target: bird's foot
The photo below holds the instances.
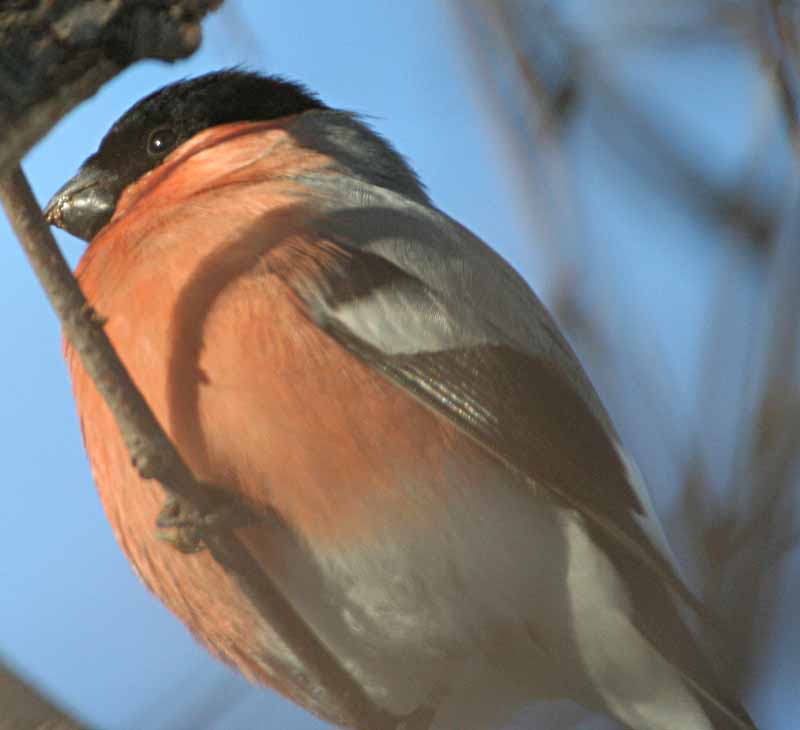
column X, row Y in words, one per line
column 182, row 524
column 177, row 525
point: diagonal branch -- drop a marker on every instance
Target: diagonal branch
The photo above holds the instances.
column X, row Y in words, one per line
column 155, row 457
column 52, row 57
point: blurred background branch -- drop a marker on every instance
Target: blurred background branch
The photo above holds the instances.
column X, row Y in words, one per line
column 572, row 98
column 25, row 708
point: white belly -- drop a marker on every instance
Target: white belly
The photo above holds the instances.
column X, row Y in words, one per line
column 501, row 600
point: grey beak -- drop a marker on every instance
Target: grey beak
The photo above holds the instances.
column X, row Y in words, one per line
column 85, row 203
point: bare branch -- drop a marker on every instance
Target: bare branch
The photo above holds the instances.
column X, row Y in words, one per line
column 51, row 58
column 155, row 457
column 57, row 54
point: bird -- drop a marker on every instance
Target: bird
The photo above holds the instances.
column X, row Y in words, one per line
column 457, row 520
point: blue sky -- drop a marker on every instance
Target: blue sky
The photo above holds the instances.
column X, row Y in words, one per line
column 75, row 619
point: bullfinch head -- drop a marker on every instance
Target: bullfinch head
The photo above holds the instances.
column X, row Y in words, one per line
column 458, row 521
column 143, row 137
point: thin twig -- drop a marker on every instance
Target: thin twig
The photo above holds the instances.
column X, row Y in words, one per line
column 155, row 457
column 785, row 70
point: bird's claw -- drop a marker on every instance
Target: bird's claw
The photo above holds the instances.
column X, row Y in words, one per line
column 179, row 527
column 181, row 524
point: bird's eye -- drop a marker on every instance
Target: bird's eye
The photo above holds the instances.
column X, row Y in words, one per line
column 161, row 141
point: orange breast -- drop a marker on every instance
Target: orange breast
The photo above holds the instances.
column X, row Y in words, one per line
column 194, row 288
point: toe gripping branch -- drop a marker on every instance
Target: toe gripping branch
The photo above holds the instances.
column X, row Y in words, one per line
column 184, row 525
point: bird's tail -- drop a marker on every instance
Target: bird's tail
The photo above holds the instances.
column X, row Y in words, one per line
column 657, row 617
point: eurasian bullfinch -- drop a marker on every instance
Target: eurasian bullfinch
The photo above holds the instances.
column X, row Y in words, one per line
column 460, row 525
